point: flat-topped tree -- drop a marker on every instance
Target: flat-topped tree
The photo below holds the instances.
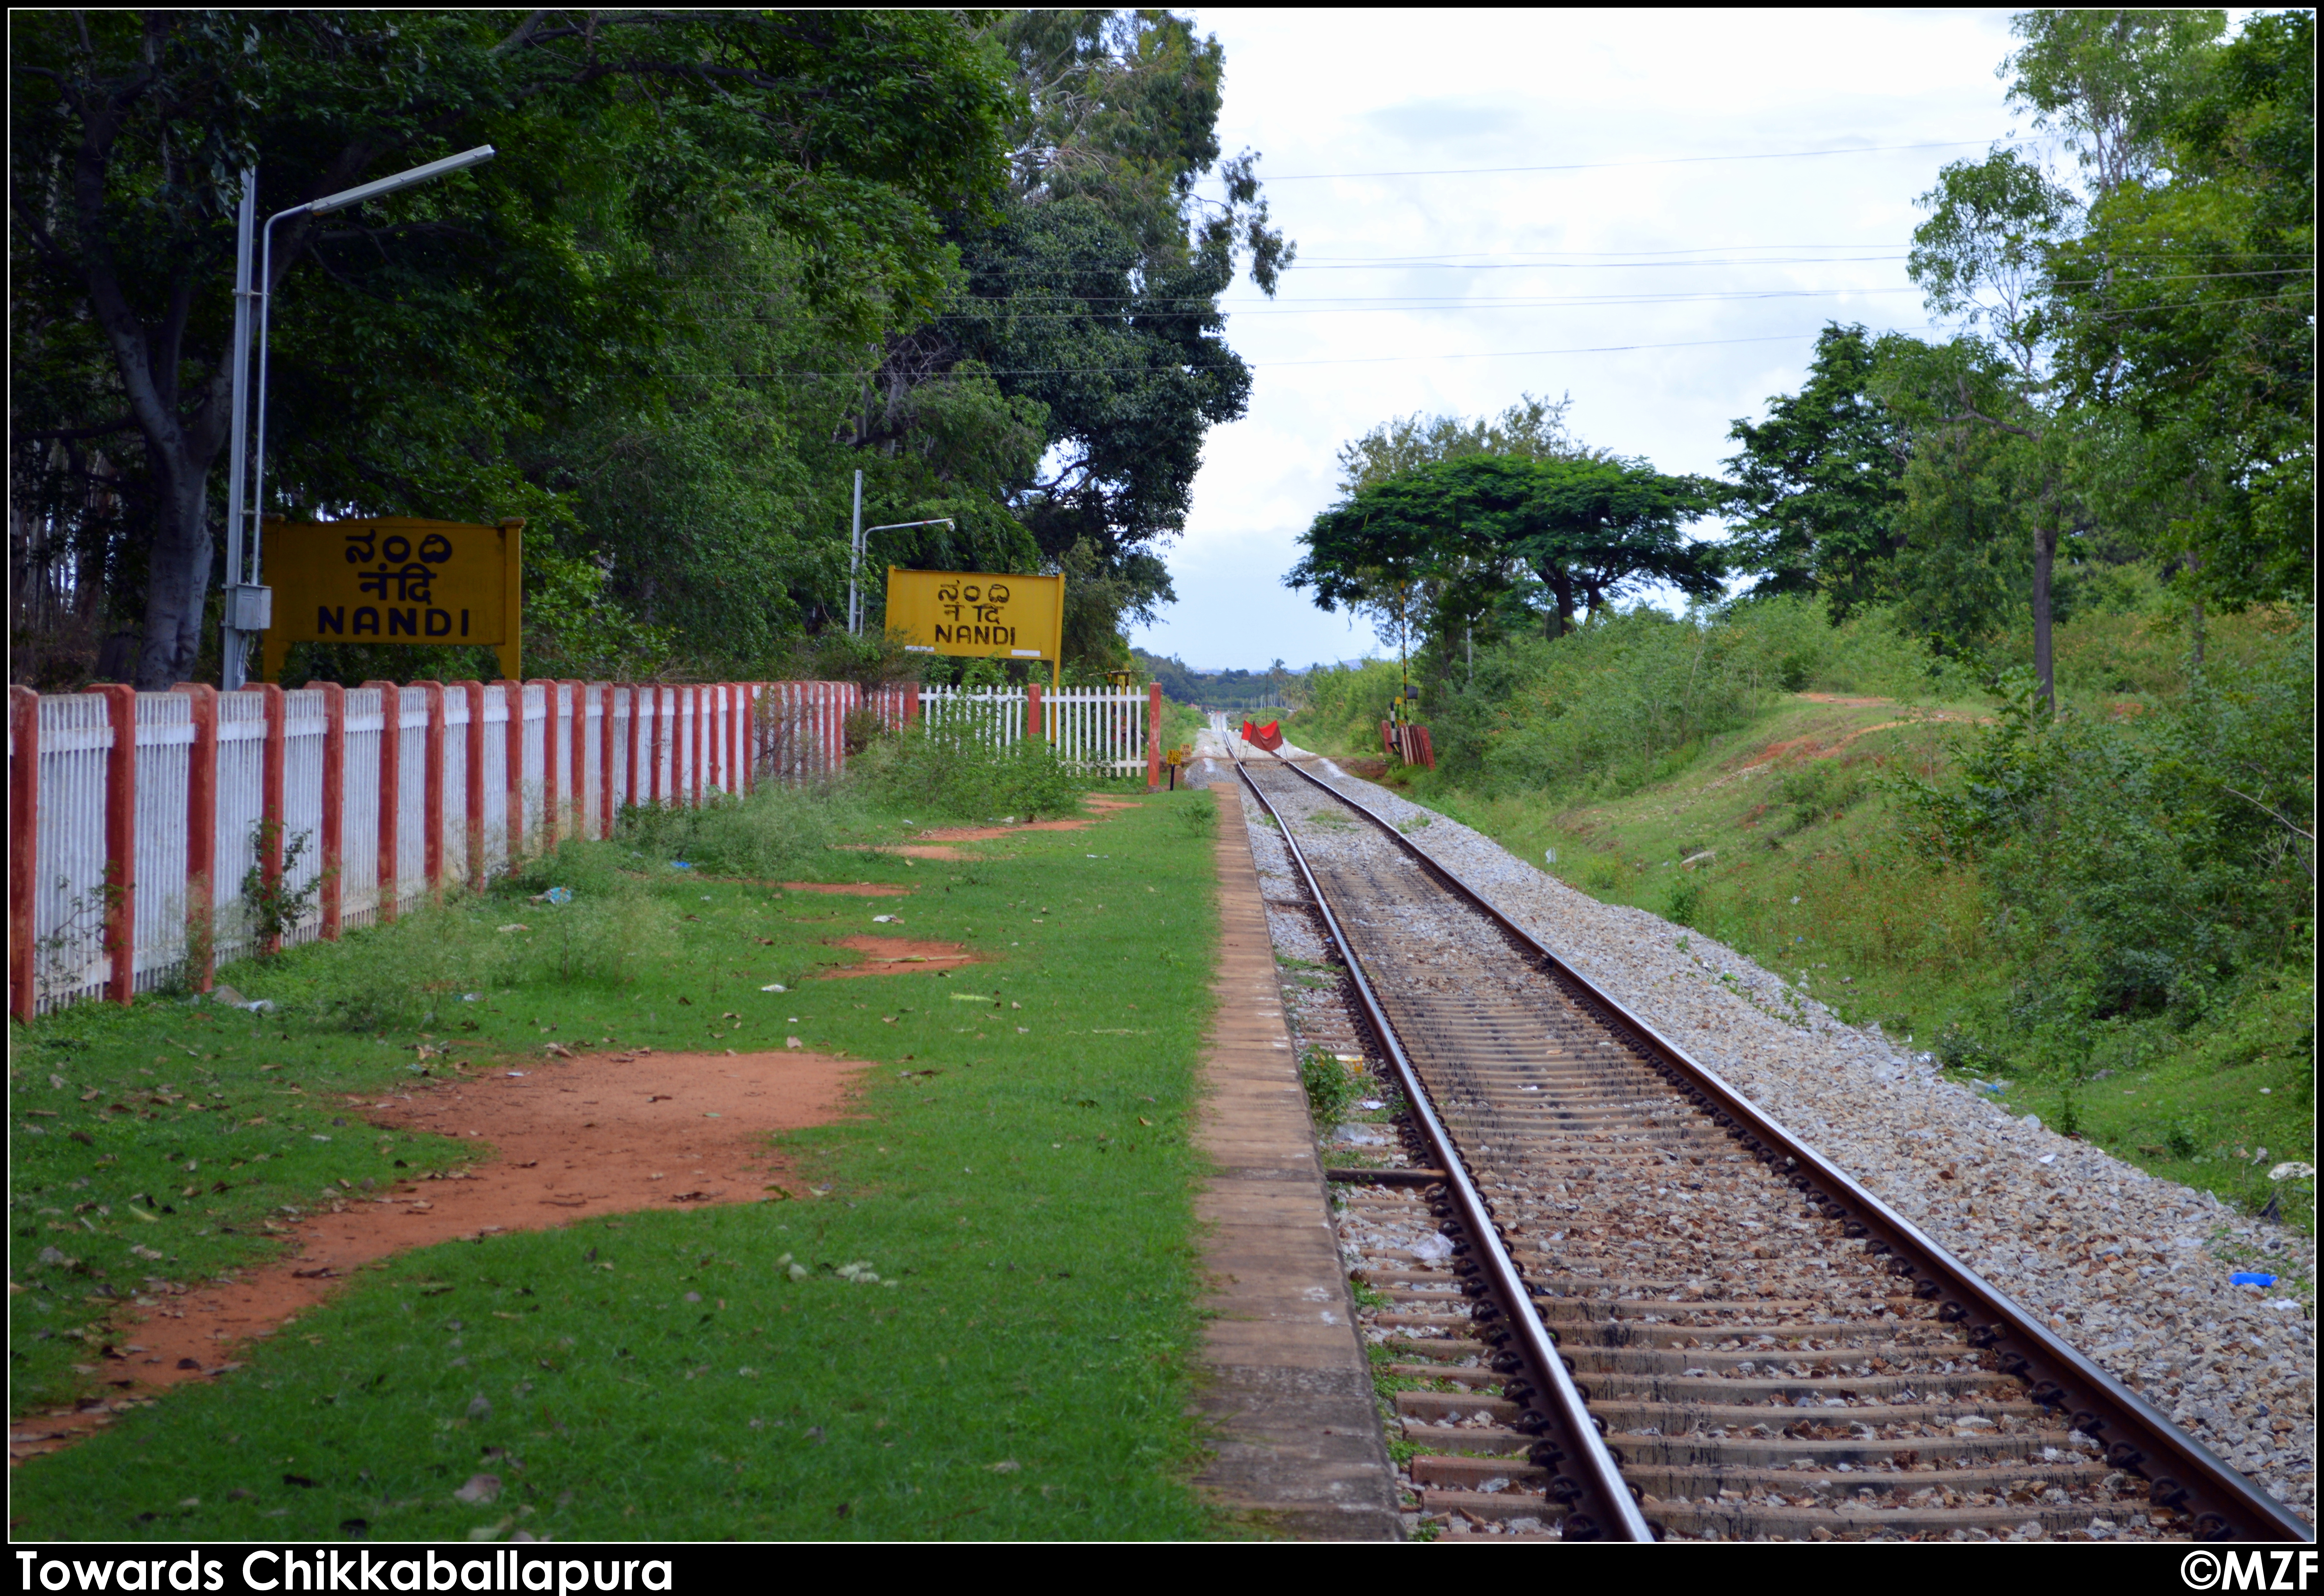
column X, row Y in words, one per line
column 1456, row 535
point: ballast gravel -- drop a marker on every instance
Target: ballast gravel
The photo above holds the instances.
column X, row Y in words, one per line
column 2131, row 1268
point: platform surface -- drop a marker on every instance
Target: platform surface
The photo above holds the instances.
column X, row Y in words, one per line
column 1285, row 1384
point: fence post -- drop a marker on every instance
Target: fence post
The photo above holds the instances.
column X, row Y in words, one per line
column 578, row 761
column 120, row 843
column 1154, row 737
column 391, row 796
column 513, row 692
column 24, row 843
column 550, row 728
column 730, row 697
column 431, row 802
column 270, row 791
column 1032, row 709
column 912, row 703
column 606, row 760
column 700, row 741
column 474, row 692
column 714, row 759
column 648, row 710
column 746, row 727
column 201, row 830
column 334, row 800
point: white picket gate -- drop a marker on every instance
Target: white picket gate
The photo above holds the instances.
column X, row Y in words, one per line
column 1098, row 728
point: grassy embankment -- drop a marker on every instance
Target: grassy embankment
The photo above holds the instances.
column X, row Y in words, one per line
column 1020, row 1371
column 1800, row 864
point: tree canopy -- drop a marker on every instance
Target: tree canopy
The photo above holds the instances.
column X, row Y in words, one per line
column 2133, row 374
column 1460, row 533
column 723, row 261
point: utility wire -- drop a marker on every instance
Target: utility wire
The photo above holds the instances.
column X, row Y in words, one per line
column 1459, row 171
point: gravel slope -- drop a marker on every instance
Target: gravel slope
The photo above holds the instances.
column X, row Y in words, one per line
column 2132, row 1268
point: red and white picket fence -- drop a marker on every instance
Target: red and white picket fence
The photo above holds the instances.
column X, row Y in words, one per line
column 134, row 818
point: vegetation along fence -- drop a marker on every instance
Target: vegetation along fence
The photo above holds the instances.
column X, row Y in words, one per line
column 150, row 835
column 153, row 834
column 1101, row 729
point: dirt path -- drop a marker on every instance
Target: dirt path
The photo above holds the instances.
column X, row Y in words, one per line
column 940, row 841
column 898, row 955
column 559, row 1140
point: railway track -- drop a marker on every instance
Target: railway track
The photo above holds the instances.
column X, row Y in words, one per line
column 1625, row 1303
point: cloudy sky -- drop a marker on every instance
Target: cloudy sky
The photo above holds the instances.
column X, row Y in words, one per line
column 1460, row 290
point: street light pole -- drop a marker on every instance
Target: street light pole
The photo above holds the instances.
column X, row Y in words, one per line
column 855, row 564
column 855, row 555
column 248, row 605
column 231, row 636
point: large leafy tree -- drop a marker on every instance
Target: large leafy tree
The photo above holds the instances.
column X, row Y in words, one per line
column 1817, row 480
column 2189, row 306
column 415, row 337
column 1589, row 530
column 1089, row 301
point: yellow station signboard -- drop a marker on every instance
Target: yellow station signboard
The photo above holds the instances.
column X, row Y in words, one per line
column 396, row 579
column 982, row 614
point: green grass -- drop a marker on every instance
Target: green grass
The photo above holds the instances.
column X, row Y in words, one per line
column 1809, row 879
column 1021, row 1368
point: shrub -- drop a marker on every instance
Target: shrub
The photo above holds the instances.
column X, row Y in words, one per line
column 2136, row 869
column 774, row 834
column 958, row 768
column 1332, row 1088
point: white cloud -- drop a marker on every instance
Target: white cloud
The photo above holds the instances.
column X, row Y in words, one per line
column 1360, row 91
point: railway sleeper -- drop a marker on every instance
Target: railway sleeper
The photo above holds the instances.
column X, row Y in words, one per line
column 1669, row 1481
column 1678, row 1390
column 1746, row 1521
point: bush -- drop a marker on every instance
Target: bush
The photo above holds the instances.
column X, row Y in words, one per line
column 2142, row 868
column 568, row 917
column 1332, row 1088
column 958, row 768
column 774, row 834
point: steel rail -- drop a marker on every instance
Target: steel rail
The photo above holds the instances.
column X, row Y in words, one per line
column 1605, row 1509
column 2183, row 1473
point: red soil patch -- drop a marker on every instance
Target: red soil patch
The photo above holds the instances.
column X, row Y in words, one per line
column 986, row 833
column 935, row 843
column 570, row 1140
column 898, row 955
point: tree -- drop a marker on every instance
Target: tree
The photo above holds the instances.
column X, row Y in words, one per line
column 1608, row 527
column 1530, row 430
column 2110, row 81
column 1984, row 256
column 1589, row 529
column 1090, row 297
column 1817, row 480
column 2049, row 274
column 433, row 324
column 2190, row 306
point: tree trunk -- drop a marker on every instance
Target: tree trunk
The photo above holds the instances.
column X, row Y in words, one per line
column 2195, row 614
column 1561, row 583
column 2045, row 560
column 178, row 574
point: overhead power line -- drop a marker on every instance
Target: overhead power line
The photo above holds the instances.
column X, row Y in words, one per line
column 1463, row 171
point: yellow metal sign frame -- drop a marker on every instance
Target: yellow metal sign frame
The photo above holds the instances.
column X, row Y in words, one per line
column 396, row 579
column 979, row 614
